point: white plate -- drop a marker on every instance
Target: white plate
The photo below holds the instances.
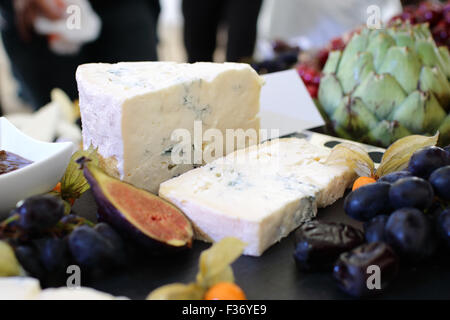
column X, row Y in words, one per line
column 50, row 160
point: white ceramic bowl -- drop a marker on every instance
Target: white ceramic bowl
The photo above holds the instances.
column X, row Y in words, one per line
column 50, row 161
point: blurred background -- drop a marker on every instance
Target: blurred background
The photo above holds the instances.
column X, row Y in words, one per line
column 44, row 40
column 278, row 19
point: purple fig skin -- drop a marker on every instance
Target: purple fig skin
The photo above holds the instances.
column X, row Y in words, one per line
column 109, row 214
column 121, row 224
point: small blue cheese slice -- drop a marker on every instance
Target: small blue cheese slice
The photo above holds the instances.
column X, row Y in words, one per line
column 130, row 110
column 259, row 194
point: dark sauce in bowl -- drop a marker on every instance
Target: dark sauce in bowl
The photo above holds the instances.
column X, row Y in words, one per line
column 10, row 162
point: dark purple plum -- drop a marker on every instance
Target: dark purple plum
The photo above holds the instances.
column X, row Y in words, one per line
column 39, row 213
column 394, row 176
column 410, row 233
column 447, row 148
column 114, row 239
column 443, row 226
column 110, row 234
column 55, row 255
column 90, row 249
column 374, row 228
column 368, row 201
column 426, row 160
column 440, row 180
column 28, row 258
column 318, row 244
column 411, row 192
column 353, row 269
column 435, row 210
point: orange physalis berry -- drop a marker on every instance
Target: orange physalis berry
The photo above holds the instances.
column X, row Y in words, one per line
column 225, row 291
column 362, row 181
column 57, row 188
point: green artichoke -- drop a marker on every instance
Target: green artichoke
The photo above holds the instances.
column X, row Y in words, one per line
column 387, row 84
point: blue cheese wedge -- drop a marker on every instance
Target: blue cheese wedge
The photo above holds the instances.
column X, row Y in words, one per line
column 258, row 194
column 130, row 110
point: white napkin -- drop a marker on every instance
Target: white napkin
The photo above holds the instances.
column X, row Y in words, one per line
column 54, row 120
column 79, row 25
column 286, row 105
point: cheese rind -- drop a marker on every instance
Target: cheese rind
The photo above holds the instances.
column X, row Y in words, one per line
column 130, row 110
column 259, row 194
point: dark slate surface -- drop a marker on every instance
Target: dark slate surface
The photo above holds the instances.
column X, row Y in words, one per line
column 271, row 276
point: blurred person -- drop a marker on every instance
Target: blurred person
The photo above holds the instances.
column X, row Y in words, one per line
column 312, row 24
column 128, row 33
column 202, row 19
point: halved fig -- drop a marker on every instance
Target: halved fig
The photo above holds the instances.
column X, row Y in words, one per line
column 144, row 217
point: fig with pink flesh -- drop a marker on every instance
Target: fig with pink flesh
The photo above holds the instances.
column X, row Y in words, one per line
column 143, row 217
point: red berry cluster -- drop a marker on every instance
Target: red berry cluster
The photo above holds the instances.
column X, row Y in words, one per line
column 437, row 15
column 335, row 44
column 310, row 71
column 311, row 78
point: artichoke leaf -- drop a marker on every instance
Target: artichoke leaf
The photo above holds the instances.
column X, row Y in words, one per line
column 404, row 39
column 378, row 46
column 444, row 58
column 357, row 44
column 330, row 93
column 380, row 94
column 427, row 111
column 404, row 65
column 353, row 71
column 398, row 154
column 352, row 118
column 332, row 62
column 426, row 49
column 422, row 31
column 385, row 133
column 353, row 156
column 433, row 79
